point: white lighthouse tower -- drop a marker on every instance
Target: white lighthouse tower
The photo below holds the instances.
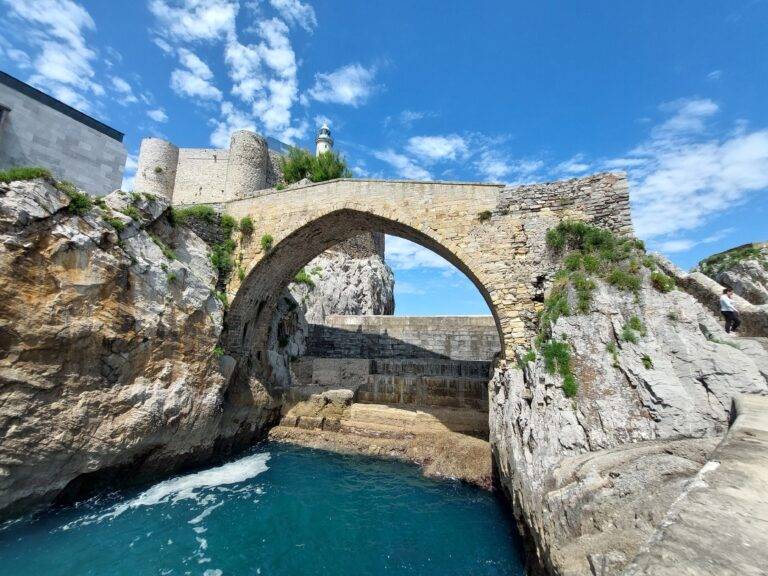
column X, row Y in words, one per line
column 324, row 142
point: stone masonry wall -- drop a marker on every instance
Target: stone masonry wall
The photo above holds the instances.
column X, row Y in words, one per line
column 494, row 235
column 207, row 175
column 448, row 337
column 35, row 134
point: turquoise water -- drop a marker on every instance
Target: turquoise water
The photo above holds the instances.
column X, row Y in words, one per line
column 278, row 511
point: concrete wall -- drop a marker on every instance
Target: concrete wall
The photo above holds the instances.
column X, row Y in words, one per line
column 450, row 337
column 35, row 134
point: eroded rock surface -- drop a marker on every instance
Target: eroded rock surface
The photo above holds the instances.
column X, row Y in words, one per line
column 592, row 476
column 107, row 347
column 745, row 270
column 346, row 285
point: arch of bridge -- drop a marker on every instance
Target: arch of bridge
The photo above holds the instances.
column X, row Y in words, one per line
column 505, row 255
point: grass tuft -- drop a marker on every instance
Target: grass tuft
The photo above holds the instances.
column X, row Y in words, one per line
column 246, row 225
column 24, row 173
column 266, row 242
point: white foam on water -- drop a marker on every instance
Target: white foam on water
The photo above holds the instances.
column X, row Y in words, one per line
column 186, row 487
column 205, row 513
column 215, row 572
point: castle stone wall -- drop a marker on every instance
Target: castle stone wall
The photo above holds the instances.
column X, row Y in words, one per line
column 208, row 175
column 201, row 176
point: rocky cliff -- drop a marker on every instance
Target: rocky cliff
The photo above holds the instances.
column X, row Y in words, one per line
column 745, row 269
column 109, row 325
column 599, row 430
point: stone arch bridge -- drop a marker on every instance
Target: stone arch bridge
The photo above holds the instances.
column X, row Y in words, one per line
column 492, row 233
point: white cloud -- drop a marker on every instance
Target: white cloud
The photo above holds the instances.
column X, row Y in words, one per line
column 682, row 176
column 56, row 29
column 194, row 20
column 124, row 90
column 350, row 85
column 158, row 115
column 296, row 12
column 493, row 166
column 406, row 118
column 19, row 57
column 573, row 166
column 231, row 121
column 402, row 254
column 129, row 174
column 402, row 288
column 404, row 166
column 437, row 148
column 715, row 75
column 675, row 246
column 688, row 118
column 264, row 75
column 185, row 83
column 195, row 65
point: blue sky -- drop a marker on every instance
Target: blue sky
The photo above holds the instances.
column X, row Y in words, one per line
column 672, row 92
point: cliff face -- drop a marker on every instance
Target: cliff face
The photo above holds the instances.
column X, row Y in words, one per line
column 346, row 285
column 743, row 269
column 108, row 356
column 592, row 476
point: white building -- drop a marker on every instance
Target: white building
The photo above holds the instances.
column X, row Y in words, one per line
column 324, row 142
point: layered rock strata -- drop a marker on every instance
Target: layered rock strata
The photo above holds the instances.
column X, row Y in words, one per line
column 591, row 477
column 109, row 326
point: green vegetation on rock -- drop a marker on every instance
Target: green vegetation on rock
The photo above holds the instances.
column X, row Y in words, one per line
column 24, row 173
column 298, row 164
column 246, row 225
column 132, row 213
column 167, row 252
column 588, row 253
column 79, row 202
column 303, row 278
column 116, row 223
column 484, row 215
column 221, row 256
column 718, row 263
column 266, row 242
column 200, row 211
column 662, row 282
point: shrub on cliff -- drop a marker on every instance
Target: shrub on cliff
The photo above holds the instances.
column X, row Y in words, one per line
column 246, row 225
column 299, row 164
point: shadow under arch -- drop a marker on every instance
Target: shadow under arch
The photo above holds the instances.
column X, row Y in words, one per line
column 246, row 331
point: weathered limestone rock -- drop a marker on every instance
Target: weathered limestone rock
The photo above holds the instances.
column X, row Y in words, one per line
column 107, row 348
column 744, row 270
column 593, row 476
column 347, row 286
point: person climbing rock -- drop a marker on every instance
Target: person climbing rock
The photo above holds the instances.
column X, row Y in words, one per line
column 728, row 309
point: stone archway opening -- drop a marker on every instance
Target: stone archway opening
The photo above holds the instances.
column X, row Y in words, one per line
column 247, row 332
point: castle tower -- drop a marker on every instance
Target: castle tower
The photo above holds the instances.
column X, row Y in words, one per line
column 324, row 142
column 156, row 173
column 248, row 165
